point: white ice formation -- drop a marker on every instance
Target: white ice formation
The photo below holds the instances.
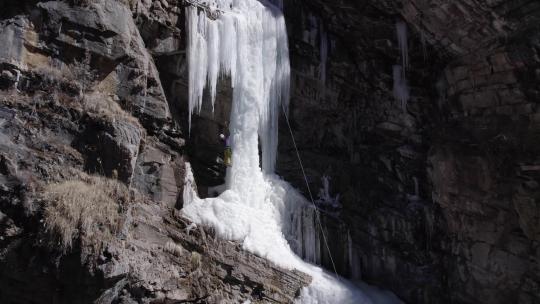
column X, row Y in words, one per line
column 247, row 40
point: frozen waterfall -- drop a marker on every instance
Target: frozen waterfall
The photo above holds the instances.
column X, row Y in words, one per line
column 247, row 40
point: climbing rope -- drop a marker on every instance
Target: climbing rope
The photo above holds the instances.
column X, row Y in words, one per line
column 317, row 211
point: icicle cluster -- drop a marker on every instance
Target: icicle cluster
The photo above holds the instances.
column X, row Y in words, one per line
column 304, row 235
column 211, row 48
column 215, row 47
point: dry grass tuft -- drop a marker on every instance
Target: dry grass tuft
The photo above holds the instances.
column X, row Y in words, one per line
column 196, row 259
column 87, row 209
column 105, row 107
column 174, row 249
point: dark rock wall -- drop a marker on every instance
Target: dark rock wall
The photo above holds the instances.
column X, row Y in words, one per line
column 413, row 184
column 355, row 132
column 467, row 138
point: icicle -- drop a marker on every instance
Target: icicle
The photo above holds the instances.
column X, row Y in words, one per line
column 401, row 30
column 302, row 234
column 228, row 47
column 213, row 58
column 401, row 89
column 202, row 58
column 311, row 244
column 192, row 49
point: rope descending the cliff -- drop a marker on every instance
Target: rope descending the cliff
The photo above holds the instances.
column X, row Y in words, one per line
column 317, row 212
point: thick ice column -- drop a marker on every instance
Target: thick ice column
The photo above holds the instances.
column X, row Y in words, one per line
column 276, row 85
column 244, row 175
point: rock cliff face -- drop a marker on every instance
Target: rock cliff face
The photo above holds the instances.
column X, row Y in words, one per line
column 92, row 166
column 438, row 201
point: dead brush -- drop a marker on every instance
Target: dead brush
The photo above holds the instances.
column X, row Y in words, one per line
column 87, row 209
column 105, row 107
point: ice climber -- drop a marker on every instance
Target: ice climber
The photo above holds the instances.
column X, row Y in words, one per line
column 227, row 153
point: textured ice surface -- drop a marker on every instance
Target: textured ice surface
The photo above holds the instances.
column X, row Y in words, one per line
column 247, row 40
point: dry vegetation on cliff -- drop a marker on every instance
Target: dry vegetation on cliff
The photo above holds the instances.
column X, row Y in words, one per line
column 87, row 209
